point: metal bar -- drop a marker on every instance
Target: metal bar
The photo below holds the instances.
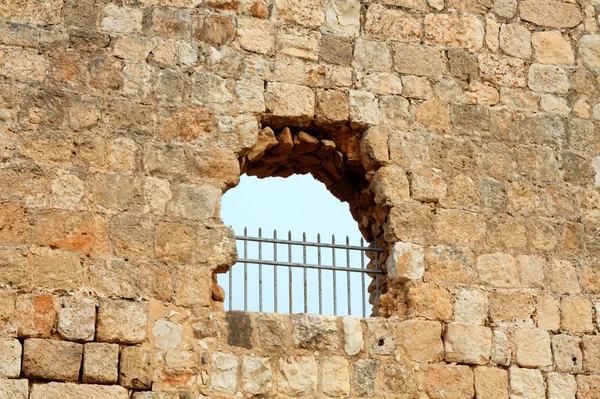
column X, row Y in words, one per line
column 230, row 272
column 304, row 278
column 260, row 282
column 310, row 244
column 348, row 276
column 320, row 280
column 290, row 270
column 311, row 266
column 245, row 276
column 275, row 270
column 362, row 265
column 334, row 282
column 376, row 275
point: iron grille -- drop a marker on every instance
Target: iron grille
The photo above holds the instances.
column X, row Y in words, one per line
column 313, row 268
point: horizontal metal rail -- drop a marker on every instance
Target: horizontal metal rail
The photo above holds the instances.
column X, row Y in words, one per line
column 309, row 266
column 309, row 244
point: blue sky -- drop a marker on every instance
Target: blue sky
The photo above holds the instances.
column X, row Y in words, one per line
column 299, row 204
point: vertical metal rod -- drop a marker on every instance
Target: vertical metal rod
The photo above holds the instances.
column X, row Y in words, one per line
column 376, row 275
column 260, row 281
column 362, row 275
column 320, row 281
column 304, row 278
column 333, row 271
column 290, row 269
column 275, row 271
column 348, row 277
column 231, row 280
column 245, row 272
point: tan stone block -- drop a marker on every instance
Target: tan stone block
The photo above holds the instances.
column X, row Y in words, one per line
column 100, row 363
column 14, row 389
column 364, row 109
column 515, row 40
column 353, row 336
column 382, row 336
column 15, row 226
column 410, row 59
column 551, row 14
column 531, row 269
column 426, row 185
column 296, row 376
column 416, row 87
column 435, row 115
column 56, row 390
column 501, row 348
column 173, row 242
column 122, row 321
column 519, row 99
column 77, row 318
column 35, row 315
column 56, row 269
column 23, row 65
column 470, row 6
column 561, row 386
column 449, row 264
column 290, row 101
column 224, row 372
column 336, row 376
column 548, row 78
column 429, row 301
column 498, row 270
column 454, row 30
column 567, row 353
column 471, row 306
column 13, row 268
column 10, row 358
column 406, row 262
column 562, row 276
column 512, row 307
column 576, row 314
column 552, row 48
column 503, row 70
column 332, row 107
column 588, row 387
column 388, row 24
column 135, row 370
column 591, row 353
column 256, row 35
column 309, row 13
column 192, row 285
column 459, row 228
column 467, row 343
column 532, row 347
column 372, row 55
column 491, row 383
column 48, row 359
column 588, row 51
column 256, row 375
column 315, row 332
column 548, row 313
column 421, row 340
column 526, row 383
column 448, row 381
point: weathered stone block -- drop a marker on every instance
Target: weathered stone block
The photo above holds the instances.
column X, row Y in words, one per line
column 512, row 307
column 501, row 348
column 503, row 70
column 421, row 340
column 406, row 262
column 335, row 376
column 429, row 301
column 122, row 321
column 365, row 376
column 561, row 386
column 515, row 40
column 336, row 50
column 552, row 48
column 384, row 23
column 135, row 369
column 23, row 65
column 256, row 35
column 552, row 14
column 498, row 270
column 567, row 353
column 270, row 331
column 309, row 13
column 588, row 51
column 315, row 332
column 467, row 343
column 548, row 78
column 419, row 60
column 332, row 107
column 454, row 30
column 297, row 376
column 449, row 264
column 426, row 185
column 527, row 383
column 591, row 353
column 364, row 109
column 48, row 359
column 56, row 269
column 10, row 358
column 353, row 335
column 121, row 19
column 293, row 102
column 372, row 55
column 588, row 386
column 55, row 390
column 448, row 381
column 576, row 314
column 100, row 363
column 532, row 347
column 256, row 375
column 548, row 313
column 382, row 336
column 14, row 389
column 491, row 383
column 77, row 318
column 471, row 306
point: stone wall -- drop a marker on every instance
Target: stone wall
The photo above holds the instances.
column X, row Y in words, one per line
column 464, row 134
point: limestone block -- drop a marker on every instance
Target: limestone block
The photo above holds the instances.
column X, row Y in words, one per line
column 426, row 185
column 421, row 340
column 336, row 50
column 561, row 386
column 315, row 332
column 343, row 17
column 576, row 314
column 122, row 154
column 531, row 269
column 460, row 228
column 56, row 390
column 382, row 336
column 48, row 359
column 501, row 348
column 122, row 321
column 10, row 358
column 552, row 48
column 133, row 48
column 77, row 318
column 449, row 381
column 256, row 375
column 209, row 90
column 389, row 183
column 100, row 363
column 505, row 8
column 512, row 307
column 555, row 105
column 449, row 264
column 468, row 343
column 548, row 313
column 567, row 353
column 55, row 269
column 588, row 386
column 271, row 330
column 417, row 60
column 14, row 266
column 290, row 101
column 434, row 115
column 515, row 40
column 532, row 347
column 300, row 43
column 23, row 65
column 353, row 335
column 135, row 369
column 589, row 52
column 498, row 270
column 503, row 70
column 207, row 328
column 196, row 202
column 406, row 262
column 416, row 87
column 548, row 78
column 526, row 383
column 471, row 306
column 387, row 24
column 365, row 376
column 519, row 99
column 372, row 55
column 15, row 218
column 335, row 376
column 309, row 13
column 297, row 376
column 552, row 14
column 364, row 109
column 151, row 395
column 461, row 31
column 491, row 383
column 429, row 301
column 121, row 19
column 591, row 353
column 35, row 315
column 14, row 389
